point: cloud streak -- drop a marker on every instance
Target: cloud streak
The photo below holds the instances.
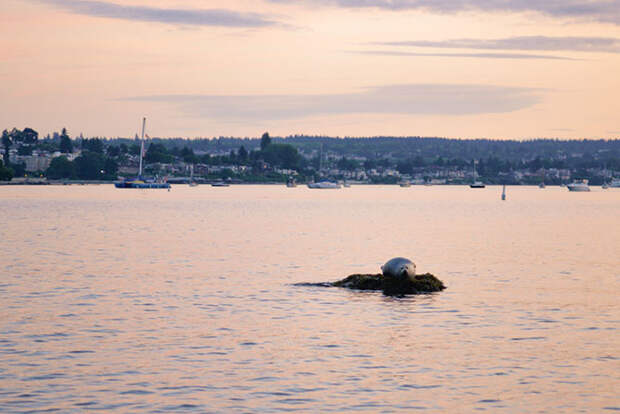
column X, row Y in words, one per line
column 539, row 43
column 599, row 10
column 462, row 55
column 192, row 17
column 415, row 99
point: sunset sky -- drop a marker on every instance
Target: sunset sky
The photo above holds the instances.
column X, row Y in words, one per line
column 197, row 68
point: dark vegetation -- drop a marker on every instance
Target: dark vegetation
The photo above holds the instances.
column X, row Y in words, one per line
column 268, row 158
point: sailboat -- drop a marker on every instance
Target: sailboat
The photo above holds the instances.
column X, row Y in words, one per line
column 476, row 183
column 192, row 183
column 139, row 182
column 325, row 184
column 542, row 183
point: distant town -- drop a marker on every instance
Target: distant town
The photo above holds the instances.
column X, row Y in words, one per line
column 60, row 158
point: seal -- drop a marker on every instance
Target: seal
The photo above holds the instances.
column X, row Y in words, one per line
column 399, row 268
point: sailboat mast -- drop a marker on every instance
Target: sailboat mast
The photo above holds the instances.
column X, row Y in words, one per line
column 475, row 162
column 142, row 146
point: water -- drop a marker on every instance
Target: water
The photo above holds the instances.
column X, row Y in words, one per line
column 156, row 301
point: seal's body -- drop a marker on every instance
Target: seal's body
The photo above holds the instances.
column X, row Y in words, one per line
column 399, row 268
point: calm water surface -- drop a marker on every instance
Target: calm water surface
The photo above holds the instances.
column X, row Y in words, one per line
column 155, row 301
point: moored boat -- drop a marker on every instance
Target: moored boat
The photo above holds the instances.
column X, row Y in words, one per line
column 220, row 184
column 324, row 185
column 579, row 186
column 476, row 183
column 139, row 182
column 192, row 182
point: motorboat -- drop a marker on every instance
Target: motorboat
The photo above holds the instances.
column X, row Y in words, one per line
column 324, row 185
column 405, row 183
column 578, row 185
column 220, row 184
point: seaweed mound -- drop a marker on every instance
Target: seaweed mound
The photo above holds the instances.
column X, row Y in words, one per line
column 424, row 283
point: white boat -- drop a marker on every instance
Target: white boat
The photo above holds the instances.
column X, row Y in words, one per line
column 192, row 183
column 324, row 185
column 139, row 182
column 578, row 185
column 476, row 183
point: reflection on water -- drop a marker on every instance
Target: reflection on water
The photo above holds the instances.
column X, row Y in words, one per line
column 156, row 301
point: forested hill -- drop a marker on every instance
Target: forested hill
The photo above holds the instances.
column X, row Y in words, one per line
column 412, row 147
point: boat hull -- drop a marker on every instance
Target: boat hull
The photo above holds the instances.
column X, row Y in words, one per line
column 324, row 185
column 578, row 188
column 123, row 184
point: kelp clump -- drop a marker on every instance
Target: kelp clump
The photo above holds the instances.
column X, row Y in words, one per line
column 424, row 283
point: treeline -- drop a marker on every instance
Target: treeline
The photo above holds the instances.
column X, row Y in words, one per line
column 93, row 163
column 408, row 147
column 277, row 155
column 100, row 158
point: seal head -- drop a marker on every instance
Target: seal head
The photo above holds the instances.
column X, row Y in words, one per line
column 399, row 268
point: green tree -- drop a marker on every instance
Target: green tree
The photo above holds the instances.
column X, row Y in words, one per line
column 66, row 146
column 19, row 170
column 282, row 155
column 6, row 173
column 92, row 145
column 60, row 167
column 110, row 169
column 16, row 136
column 30, row 136
column 89, row 166
column 113, row 151
column 242, row 154
column 346, row 164
column 158, row 153
column 188, row 155
column 6, row 143
column 134, row 149
column 265, row 141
